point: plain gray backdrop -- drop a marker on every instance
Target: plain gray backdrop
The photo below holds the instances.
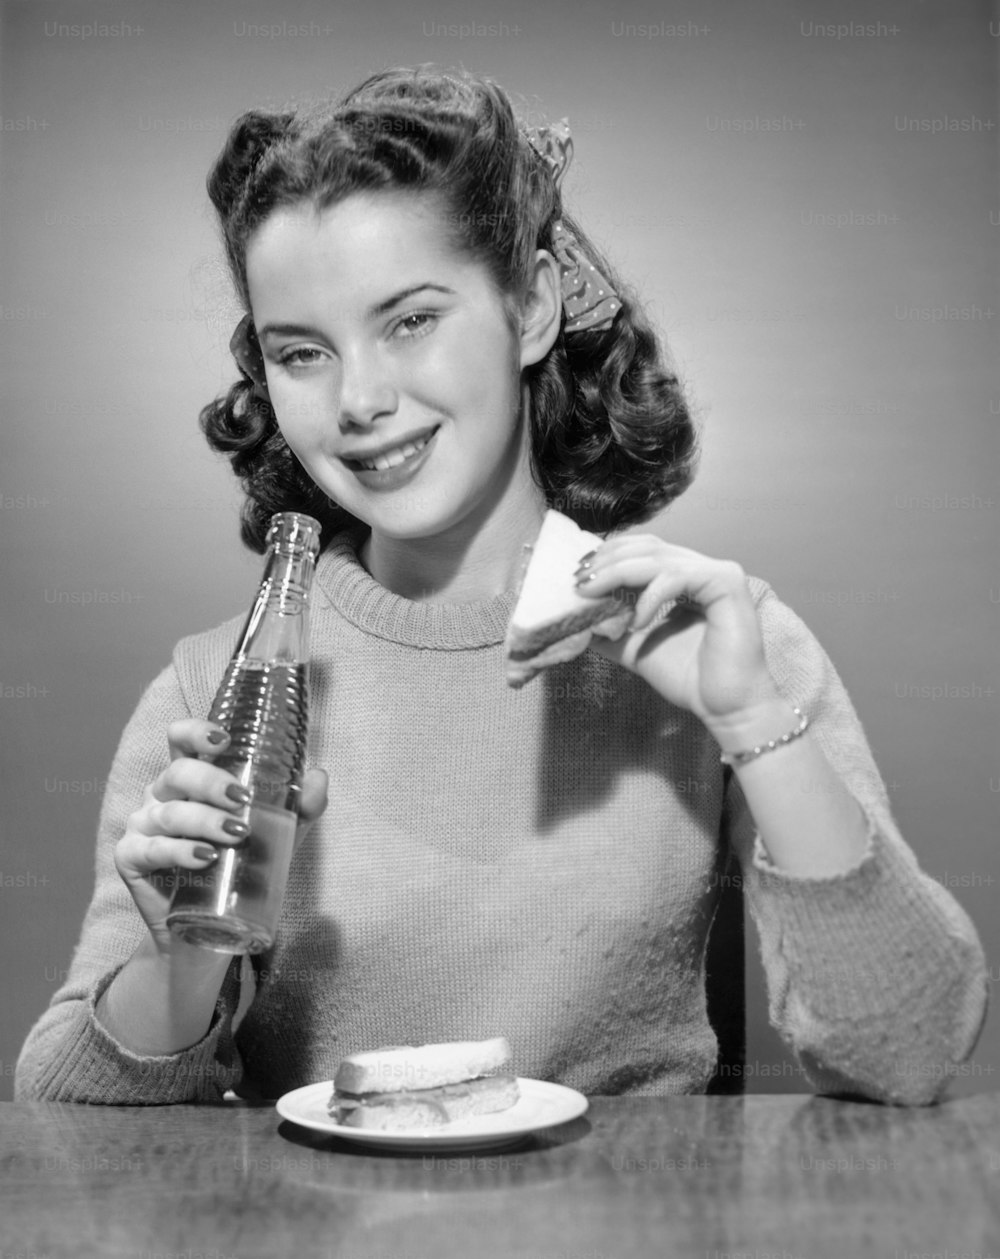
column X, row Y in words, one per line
column 807, row 198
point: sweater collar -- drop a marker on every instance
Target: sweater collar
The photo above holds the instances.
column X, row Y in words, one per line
column 359, row 598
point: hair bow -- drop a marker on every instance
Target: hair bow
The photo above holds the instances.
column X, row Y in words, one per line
column 588, row 298
column 554, row 145
column 245, row 349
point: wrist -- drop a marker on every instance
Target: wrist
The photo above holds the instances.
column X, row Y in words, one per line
column 163, row 1001
column 169, row 953
column 751, row 727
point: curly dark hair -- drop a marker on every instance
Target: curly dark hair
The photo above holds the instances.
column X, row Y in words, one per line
column 612, row 441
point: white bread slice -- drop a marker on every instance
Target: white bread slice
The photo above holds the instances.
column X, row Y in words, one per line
column 426, row 1108
column 404, row 1068
column 552, row 622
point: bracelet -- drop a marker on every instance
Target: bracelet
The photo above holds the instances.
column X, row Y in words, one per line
column 740, row 758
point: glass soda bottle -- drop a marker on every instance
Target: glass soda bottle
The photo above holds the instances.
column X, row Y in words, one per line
column 233, row 906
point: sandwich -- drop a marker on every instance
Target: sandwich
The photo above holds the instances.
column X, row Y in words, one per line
column 552, row 622
column 407, row 1087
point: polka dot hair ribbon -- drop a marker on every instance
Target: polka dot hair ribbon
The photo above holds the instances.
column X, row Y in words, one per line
column 588, row 298
column 554, row 145
column 245, row 349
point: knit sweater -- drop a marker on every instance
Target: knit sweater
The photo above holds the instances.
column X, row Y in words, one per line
column 540, row 864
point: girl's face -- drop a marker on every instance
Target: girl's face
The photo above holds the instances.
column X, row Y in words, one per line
column 392, row 370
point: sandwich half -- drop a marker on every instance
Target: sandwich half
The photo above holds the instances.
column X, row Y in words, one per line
column 552, row 622
column 407, row 1087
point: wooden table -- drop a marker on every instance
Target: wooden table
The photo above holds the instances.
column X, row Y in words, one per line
column 756, row 1177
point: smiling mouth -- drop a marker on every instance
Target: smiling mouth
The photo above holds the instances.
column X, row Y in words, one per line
column 392, row 458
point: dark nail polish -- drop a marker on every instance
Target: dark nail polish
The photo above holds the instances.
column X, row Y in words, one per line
column 582, row 581
column 238, row 794
column 204, row 853
column 232, row 827
column 585, row 559
column 217, row 736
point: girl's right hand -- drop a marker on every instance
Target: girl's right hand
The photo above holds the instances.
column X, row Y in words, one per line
column 188, row 804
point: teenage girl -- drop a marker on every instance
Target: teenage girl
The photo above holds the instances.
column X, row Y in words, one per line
column 433, row 354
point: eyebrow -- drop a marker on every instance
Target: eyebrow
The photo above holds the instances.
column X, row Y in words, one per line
column 374, row 312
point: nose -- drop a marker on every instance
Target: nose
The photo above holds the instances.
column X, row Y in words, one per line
column 367, row 389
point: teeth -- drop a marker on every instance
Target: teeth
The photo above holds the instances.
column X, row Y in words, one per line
column 393, row 458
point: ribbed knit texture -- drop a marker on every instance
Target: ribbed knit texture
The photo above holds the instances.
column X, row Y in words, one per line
column 537, row 864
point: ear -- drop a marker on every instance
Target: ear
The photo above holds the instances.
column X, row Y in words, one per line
column 541, row 309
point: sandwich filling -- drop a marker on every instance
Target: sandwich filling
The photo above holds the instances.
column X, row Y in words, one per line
column 407, row 1087
column 485, row 1095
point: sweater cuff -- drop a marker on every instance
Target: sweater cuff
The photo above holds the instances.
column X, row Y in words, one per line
column 772, row 876
column 96, row 1068
column 877, row 956
column 876, row 931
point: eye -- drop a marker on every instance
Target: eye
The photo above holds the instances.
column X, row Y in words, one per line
column 417, row 323
column 301, row 356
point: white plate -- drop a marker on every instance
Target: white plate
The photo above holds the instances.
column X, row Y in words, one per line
column 541, row 1105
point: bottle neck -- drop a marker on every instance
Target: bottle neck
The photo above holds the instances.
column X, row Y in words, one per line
column 277, row 629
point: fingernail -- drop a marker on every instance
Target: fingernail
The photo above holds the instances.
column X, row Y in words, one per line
column 238, row 793
column 204, row 853
column 232, row 827
column 585, row 559
column 217, row 736
column 582, row 581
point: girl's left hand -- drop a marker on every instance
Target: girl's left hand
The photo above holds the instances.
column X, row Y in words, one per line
column 695, row 636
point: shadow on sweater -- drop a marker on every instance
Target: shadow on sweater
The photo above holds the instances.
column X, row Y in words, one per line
column 602, row 723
